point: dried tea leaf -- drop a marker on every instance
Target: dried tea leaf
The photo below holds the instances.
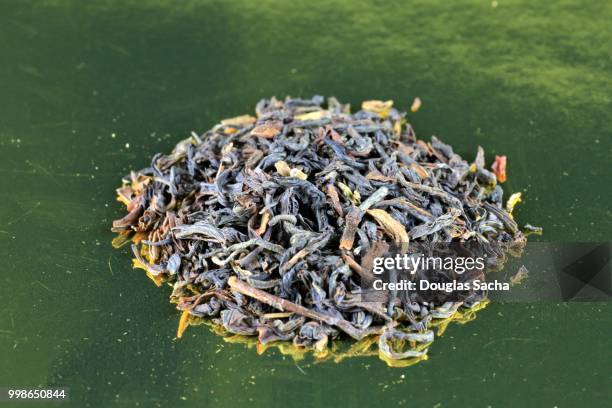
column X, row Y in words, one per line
column 499, row 168
column 283, row 168
column 316, row 115
column 378, row 176
column 513, row 201
column 379, row 107
column 121, row 239
column 353, row 218
column 420, row 170
column 183, row 324
column 353, row 197
column 531, row 229
column 124, row 195
column 295, row 172
column 390, row 225
column 240, row 121
column 267, row 131
column 332, row 193
column 280, row 315
column 397, row 128
column 479, row 161
column 264, row 223
column 519, row 276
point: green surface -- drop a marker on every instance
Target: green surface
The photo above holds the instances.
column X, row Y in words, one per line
column 89, row 92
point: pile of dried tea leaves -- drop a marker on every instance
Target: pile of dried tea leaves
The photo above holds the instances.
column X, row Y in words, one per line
column 260, row 223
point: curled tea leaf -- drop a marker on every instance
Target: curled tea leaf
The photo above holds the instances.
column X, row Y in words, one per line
column 513, row 201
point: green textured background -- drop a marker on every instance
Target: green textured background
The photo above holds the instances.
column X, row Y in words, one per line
column 90, row 90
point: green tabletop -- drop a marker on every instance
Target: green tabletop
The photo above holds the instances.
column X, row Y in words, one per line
column 91, row 90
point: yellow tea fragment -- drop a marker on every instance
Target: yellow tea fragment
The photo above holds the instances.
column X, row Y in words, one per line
column 240, row 121
column 513, row 201
column 352, row 196
column 283, row 168
column 379, row 107
column 316, row 115
column 121, row 239
column 183, row 324
column 298, row 174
